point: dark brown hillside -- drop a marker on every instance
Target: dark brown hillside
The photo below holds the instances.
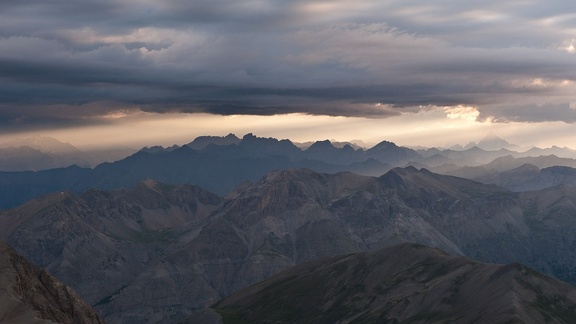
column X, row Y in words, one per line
column 407, row 283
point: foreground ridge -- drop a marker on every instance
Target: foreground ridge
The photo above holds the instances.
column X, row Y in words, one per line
column 407, row 283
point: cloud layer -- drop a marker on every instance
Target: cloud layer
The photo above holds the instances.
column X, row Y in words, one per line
column 70, row 62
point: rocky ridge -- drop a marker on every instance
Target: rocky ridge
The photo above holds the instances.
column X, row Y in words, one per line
column 29, row 294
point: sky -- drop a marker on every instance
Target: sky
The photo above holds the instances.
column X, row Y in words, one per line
column 150, row 72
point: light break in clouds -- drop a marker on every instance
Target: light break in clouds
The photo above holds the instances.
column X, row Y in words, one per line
column 71, row 64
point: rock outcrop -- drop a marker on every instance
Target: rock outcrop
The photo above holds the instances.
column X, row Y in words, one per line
column 29, row 294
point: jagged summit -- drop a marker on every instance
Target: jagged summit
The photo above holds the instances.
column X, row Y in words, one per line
column 383, row 145
column 202, row 141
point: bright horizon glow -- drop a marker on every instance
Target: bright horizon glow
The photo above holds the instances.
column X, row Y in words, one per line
column 437, row 127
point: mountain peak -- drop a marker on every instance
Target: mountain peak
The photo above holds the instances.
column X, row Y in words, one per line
column 492, row 142
column 383, row 145
column 326, row 144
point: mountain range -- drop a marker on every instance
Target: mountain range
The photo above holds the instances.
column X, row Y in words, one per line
column 159, row 252
column 218, row 168
column 220, row 164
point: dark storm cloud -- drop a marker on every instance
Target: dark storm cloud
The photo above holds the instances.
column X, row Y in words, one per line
column 68, row 62
column 531, row 113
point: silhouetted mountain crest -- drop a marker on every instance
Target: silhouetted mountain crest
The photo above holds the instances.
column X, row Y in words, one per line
column 391, row 153
column 321, row 145
column 268, row 145
column 201, row 142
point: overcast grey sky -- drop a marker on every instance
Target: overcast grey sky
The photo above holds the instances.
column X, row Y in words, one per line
column 86, row 64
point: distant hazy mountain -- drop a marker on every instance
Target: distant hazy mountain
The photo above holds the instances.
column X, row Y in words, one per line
column 160, row 252
column 505, row 163
column 25, row 158
column 518, row 174
column 563, row 152
column 450, row 161
column 39, row 153
column 45, row 144
column 529, row 178
column 474, row 156
column 29, row 294
column 455, row 147
column 407, row 283
column 491, row 142
column 356, row 145
column 43, row 153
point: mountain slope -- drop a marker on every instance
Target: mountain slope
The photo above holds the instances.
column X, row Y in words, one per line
column 159, row 252
column 100, row 241
column 407, row 283
column 289, row 217
column 29, row 294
